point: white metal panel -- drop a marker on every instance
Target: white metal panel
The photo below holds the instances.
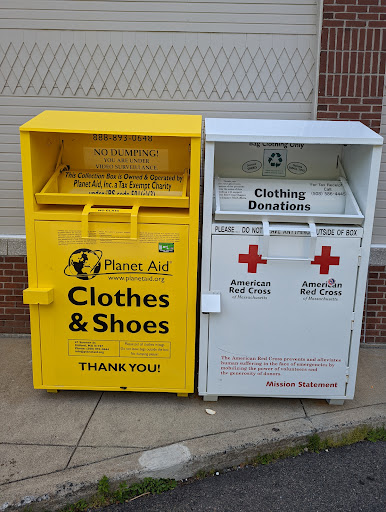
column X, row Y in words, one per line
column 159, row 65
column 267, row 130
column 291, row 319
column 379, row 231
column 360, row 161
column 233, row 59
column 206, row 16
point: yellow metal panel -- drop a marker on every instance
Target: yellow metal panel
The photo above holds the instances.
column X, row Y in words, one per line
column 112, row 307
column 80, row 199
column 101, row 169
column 119, row 315
column 153, row 215
column 119, row 123
column 29, row 206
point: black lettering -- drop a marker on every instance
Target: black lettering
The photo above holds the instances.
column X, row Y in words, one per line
column 148, row 299
column 118, row 296
column 131, row 296
column 164, row 325
column 164, row 300
column 150, row 327
column 136, row 328
column 98, row 321
column 113, row 322
column 72, row 298
column 107, row 302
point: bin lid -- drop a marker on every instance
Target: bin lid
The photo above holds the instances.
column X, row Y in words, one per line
column 291, row 131
column 115, row 122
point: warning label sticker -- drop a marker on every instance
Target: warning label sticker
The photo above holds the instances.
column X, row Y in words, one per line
column 126, row 159
column 120, row 183
column 145, row 349
column 119, row 348
column 93, row 348
column 117, row 236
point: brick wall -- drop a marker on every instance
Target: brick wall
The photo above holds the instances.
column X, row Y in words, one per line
column 352, row 61
column 374, row 319
column 351, row 79
column 14, row 315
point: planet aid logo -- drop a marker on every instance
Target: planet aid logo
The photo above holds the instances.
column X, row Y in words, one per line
column 133, row 312
column 84, row 264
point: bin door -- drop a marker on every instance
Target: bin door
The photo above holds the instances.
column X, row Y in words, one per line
column 285, row 325
column 118, row 316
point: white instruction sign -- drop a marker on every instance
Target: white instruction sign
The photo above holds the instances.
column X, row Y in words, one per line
column 285, row 196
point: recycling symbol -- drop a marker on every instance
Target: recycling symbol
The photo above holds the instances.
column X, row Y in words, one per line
column 275, row 159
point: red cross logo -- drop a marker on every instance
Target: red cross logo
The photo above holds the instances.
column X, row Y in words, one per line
column 325, row 259
column 252, row 258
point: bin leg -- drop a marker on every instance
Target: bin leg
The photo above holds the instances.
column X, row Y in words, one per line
column 184, row 395
column 210, row 398
column 52, row 391
column 335, row 402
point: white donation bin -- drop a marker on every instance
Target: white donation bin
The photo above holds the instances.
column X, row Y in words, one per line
column 287, row 223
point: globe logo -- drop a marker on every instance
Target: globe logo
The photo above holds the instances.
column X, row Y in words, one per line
column 84, row 264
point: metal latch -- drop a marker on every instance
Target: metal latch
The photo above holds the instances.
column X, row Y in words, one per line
column 211, row 302
column 38, row 296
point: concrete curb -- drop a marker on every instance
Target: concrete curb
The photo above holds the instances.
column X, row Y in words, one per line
column 184, row 459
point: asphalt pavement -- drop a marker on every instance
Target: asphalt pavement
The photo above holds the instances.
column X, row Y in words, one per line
column 350, row 478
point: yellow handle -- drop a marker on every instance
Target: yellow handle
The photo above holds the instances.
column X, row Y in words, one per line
column 89, row 209
column 38, row 296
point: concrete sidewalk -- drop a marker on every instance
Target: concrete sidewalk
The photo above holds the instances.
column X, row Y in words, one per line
column 55, row 447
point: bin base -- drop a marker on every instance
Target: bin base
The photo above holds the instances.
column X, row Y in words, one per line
column 210, row 398
column 184, row 395
column 52, row 391
column 335, row 402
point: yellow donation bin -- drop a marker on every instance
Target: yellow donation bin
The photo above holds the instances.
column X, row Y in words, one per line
column 111, row 207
